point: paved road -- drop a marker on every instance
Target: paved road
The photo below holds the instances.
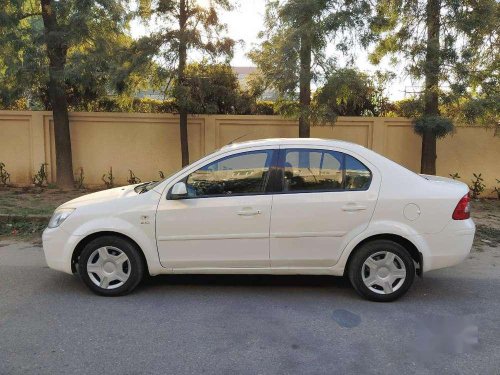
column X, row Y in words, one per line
column 51, row 324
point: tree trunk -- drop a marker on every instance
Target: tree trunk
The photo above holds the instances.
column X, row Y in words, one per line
column 182, row 79
column 56, row 51
column 305, row 84
column 431, row 94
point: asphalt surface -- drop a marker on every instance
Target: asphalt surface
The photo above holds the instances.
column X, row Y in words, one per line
column 448, row 323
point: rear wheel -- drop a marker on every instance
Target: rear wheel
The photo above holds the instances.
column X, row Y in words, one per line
column 110, row 266
column 381, row 270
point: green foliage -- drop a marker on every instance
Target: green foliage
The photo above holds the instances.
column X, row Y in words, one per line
column 211, row 89
column 290, row 24
column 410, row 108
column 96, row 42
column 133, row 179
column 263, row 108
column 455, row 176
column 79, row 178
column 201, row 32
column 467, row 54
column 437, row 125
column 477, row 186
column 41, row 176
column 108, row 179
column 4, row 175
column 349, row 92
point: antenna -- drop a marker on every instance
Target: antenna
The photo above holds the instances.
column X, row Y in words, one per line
column 234, row 140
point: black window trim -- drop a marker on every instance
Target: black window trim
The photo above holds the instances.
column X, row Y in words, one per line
column 268, row 186
column 281, row 167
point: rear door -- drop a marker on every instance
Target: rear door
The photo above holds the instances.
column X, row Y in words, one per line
column 328, row 197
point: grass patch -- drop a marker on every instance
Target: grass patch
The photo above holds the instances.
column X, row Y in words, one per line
column 22, row 228
column 34, row 201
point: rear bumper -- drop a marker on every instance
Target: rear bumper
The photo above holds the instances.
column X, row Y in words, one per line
column 448, row 247
column 58, row 247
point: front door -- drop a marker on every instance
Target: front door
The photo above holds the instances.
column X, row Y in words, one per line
column 224, row 220
column 328, row 198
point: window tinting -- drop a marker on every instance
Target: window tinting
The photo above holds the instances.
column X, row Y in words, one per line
column 237, row 174
column 357, row 176
column 323, row 170
column 312, row 170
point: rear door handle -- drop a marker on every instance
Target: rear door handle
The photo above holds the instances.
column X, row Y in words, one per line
column 353, row 207
column 249, row 212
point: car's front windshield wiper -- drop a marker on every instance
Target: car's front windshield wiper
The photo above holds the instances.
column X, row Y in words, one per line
column 142, row 188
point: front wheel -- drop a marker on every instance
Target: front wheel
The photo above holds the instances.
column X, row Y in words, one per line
column 110, row 266
column 381, row 270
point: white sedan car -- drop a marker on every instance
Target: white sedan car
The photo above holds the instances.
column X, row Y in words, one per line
column 276, row 206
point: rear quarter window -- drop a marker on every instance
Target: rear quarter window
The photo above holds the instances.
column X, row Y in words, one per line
column 357, row 175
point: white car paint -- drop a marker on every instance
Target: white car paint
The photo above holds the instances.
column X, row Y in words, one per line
column 301, row 233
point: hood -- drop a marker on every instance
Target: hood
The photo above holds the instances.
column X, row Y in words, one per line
column 101, row 196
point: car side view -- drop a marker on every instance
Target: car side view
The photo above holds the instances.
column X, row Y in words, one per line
column 275, row 206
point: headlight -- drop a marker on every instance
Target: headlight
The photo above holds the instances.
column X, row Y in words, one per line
column 59, row 216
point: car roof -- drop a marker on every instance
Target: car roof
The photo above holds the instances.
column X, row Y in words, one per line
column 292, row 142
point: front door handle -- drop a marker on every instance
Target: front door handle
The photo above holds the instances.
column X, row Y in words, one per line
column 352, row 207
column 249, row 212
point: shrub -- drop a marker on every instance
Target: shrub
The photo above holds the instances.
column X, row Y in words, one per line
column 497, row 188
column 79, row 177
column 4, row 175
column 108, row 179
column 477, row 186
column 263, row 108
column 40, row 177
column 133, row 179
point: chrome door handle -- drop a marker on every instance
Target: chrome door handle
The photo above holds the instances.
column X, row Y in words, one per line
column 353, row 207
column 249, row 212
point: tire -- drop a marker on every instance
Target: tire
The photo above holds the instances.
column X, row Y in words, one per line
column 111, row 266
column 381, row 278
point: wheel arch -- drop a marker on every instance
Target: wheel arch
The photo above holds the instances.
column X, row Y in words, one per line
column 87, row 239
column 406, row 243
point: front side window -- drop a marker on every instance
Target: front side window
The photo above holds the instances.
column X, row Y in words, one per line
column 323, row 170
column 245, row 173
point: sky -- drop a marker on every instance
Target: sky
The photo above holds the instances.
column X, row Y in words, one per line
column 247, row 20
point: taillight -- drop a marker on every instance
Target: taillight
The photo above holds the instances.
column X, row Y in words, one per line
column 462, row 211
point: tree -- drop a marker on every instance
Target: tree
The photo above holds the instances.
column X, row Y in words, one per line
column 214, row 89
column 449, row 44
column 187, row 27
column 292, row 54
column 349, row 92
column 47, row 42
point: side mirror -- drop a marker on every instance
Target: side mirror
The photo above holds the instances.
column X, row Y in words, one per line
column 179, row 191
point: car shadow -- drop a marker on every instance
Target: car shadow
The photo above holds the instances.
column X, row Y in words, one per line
column 247, row 280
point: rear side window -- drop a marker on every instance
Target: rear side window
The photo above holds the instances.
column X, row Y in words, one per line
column 308, row 170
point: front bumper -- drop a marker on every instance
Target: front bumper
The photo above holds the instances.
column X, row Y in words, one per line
column 58, row 247
column 448, row 247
